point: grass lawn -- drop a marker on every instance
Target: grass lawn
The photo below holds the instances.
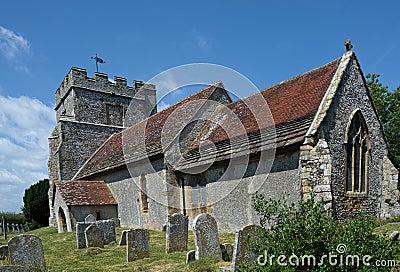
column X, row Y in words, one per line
column 62, row 256
column 386, row 229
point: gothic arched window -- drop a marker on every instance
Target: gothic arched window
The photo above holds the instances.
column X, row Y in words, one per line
column 357, row 149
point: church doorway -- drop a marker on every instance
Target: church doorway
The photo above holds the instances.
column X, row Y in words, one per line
column 62, row 221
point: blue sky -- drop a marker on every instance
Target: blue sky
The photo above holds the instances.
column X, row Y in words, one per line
column 267, row 41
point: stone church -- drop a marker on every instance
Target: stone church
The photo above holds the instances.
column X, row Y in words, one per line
column 113, row 155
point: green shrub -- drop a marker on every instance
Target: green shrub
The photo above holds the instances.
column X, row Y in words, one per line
column 300, row 231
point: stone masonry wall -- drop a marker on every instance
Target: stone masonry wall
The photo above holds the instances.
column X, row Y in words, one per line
column 79, row 142
column 234, row 210
column 124, row 185
column 352, row 95
column 390, row 194
column 315, row 172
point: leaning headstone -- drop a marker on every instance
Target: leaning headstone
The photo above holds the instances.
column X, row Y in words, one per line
column 80, row 234
column 190, row 256
column 394, row 236
column 227, row 252
column 3, row 252
column 138, row 246
column 177, row 233
column 122, row 240
column 27, row 250
column 108, row 229
column 206, row 240
column 94, row 236
column 242, row 250
column 90, row 219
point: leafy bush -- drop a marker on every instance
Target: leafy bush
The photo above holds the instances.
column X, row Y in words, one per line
column 294, row 233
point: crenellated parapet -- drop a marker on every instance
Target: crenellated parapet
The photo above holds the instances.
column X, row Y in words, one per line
column 77, row 78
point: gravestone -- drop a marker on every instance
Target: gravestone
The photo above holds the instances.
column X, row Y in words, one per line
column 94, row 236
column 394, row 236
column 3, row 252
column 138, row 246
column 108, row 229
column 190, row 256
column 122, row 240
column 206, row 240
column 80, row 234
column 177, row 233
column 242, row 249
column 27, row 250
column 227, row 252
column 90, row 219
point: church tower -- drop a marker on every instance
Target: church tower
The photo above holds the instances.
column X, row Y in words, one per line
column 88, row 112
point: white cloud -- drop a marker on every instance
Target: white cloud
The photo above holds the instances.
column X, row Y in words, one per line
column 25, row 125
column 12, row 44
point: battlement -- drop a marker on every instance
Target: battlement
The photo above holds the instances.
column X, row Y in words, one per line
column 77, row 77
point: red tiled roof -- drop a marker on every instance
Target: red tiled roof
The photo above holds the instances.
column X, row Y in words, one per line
column 292, row 103
column 141, row 140
column 290, row 100
column 85, row 193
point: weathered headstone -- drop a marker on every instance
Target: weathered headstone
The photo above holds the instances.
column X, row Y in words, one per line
column 138, row 246
column 227, row 252
column 80, row 234
column 206, row 240
column 122, row 240
column 108, row 229
column 94, row 236
column 177, row 233
column 4, row 227
column 190, row 256
column 3, row 252
column 242, row 249
column 394, row 236
column 90, row 218
column 27, row 250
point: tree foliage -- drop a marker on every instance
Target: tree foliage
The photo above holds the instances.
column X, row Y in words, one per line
column 36, row 204
column 387, row 104
column 11, row 217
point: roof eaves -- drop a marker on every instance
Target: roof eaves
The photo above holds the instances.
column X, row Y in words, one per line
column 328, row 97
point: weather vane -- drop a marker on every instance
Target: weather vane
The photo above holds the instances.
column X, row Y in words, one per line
column 97, row 60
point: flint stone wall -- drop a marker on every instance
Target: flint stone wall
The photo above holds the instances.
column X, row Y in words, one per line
column 350, row 96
